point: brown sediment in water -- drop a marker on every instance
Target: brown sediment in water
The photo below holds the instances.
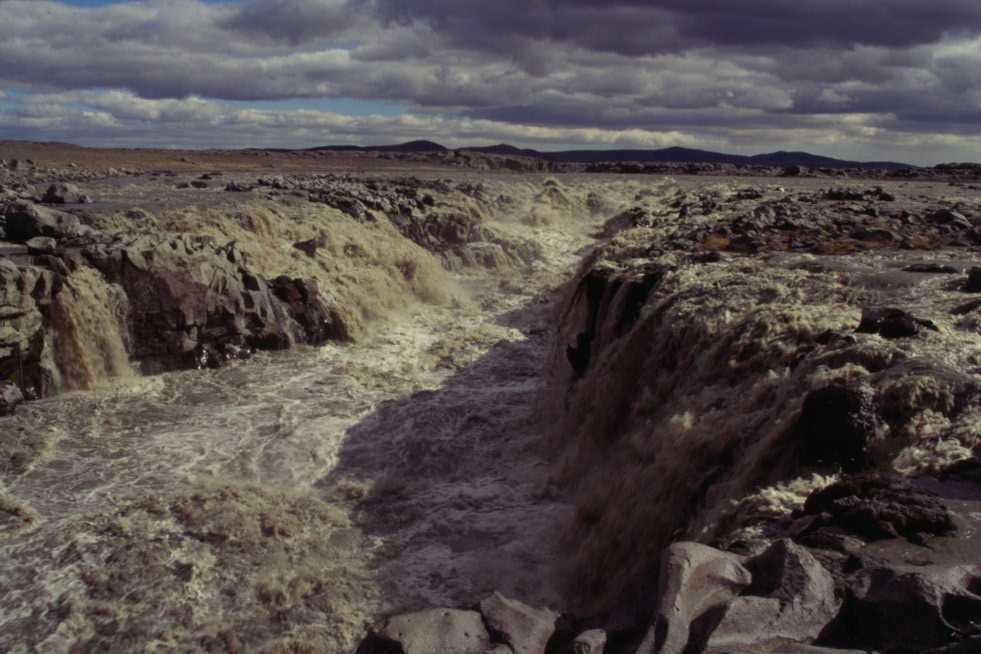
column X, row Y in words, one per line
column 89, row 323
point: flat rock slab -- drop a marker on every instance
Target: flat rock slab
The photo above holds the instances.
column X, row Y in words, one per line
column 449, row 631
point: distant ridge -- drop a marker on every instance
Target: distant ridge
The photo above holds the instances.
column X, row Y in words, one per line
column 411, row 146
column 505, row 149
column 663, row 155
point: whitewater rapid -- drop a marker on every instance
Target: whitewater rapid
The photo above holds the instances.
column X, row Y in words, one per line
column 424, row 437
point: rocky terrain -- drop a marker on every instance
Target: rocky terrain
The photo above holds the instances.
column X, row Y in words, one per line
column 452, row 410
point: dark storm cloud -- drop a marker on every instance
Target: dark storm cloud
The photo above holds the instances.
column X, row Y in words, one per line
column 634, row 27
column 883, row 73
column 294, row 21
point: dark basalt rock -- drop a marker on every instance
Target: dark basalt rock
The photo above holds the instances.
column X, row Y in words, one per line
column 579, row 354
column 791, row 599
column 904, row 610
column 26, row 296
column 310, row 246
column 835, row 425
column 876, row 507
column 194, row 303
column 973, row 284
column 934, row 268
column 890, row 322
column 950, row 217
column 64, row 194
column 26, row 220
column 966, row 470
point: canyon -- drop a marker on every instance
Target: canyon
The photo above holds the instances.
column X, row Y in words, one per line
column 326, row 402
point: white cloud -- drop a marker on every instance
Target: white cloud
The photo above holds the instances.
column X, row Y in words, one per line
column 624, row 72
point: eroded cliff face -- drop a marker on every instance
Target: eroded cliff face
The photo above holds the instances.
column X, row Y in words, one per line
column 713, row 368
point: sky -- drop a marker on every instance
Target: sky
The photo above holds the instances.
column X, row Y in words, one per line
column 892, row 80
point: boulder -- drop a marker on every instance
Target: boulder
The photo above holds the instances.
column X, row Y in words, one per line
column 25, row 220
column 792, row 598
column 890, row 322
column 908, row 608
column 237, row 187
column 448, row 631
column 876, row 507
column 310, row 246
column 590, row 642
column 41, row 245
column 950, row 217
column 64, row 194
column 696, row 582
column 526, row 629
column 835, row 425
column 10, row 397
column 973, row 284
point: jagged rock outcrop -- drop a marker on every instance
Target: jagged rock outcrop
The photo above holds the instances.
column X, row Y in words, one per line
column 695, row 581
column 742, row 344
column 26, row 349
column 25, row 220
column 193, row 302
column 710, row 600
column 454, row 227
column 791, row 600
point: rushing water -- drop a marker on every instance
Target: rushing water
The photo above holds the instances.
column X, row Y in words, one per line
column 420, row 444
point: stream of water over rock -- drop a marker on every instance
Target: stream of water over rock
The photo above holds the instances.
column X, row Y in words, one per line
column 411, row 461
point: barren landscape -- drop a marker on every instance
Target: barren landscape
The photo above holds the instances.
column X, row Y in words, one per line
column 334, row 402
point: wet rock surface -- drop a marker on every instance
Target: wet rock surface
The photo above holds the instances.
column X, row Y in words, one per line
column 873, row 507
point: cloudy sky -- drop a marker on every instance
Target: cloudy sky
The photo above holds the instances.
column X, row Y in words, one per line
column 862, row 79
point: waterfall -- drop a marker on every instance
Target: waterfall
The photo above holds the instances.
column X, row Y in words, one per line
column 89, row 317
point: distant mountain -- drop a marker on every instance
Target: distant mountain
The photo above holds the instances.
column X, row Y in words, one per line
column 664, row 155
column 507, row 150
column 411, row 146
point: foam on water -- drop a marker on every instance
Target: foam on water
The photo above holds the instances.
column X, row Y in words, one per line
column 399, row 471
